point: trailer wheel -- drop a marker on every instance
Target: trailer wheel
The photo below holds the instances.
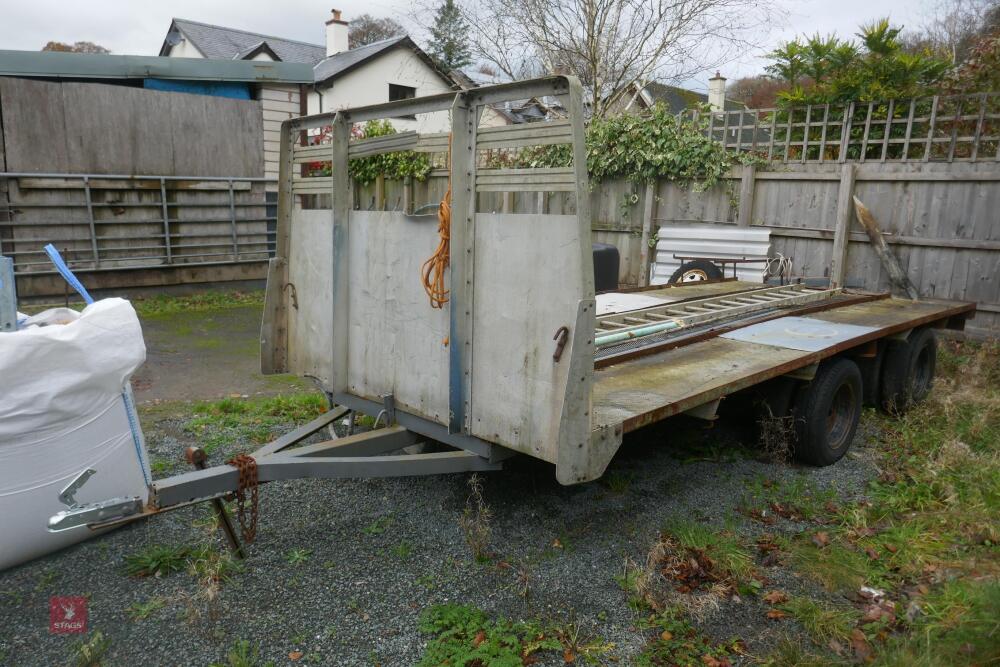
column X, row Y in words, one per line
column 827, row 413
column 695, row 271
column 908, row 371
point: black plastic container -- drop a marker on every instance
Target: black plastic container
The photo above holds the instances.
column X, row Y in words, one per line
column 606, row 262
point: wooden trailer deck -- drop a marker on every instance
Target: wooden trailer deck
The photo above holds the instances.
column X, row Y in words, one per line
column 648, row 388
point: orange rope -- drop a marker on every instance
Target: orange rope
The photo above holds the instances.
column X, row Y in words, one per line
column 433, row 269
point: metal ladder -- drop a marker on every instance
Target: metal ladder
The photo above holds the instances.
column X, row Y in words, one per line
column 619, row 327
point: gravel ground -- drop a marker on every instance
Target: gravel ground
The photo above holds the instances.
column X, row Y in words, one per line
column 382, row 550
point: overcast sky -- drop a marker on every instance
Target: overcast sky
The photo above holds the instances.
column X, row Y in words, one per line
column 137, row 27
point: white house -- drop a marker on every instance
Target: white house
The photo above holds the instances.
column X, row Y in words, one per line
column 391, row 69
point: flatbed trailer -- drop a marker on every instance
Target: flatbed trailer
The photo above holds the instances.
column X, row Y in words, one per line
column 522, row 357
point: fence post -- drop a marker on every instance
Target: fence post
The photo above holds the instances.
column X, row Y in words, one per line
column 8, row 295
column 166, row 219
column 930, row 130
column 90, row 220
column 979, row 127
column 408, row 195
column 232, row 220
column 845, row 132
column 841, row 235
column 747, row 183
column 648, row 220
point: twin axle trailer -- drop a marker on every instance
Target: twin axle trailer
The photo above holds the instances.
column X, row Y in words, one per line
column 515, row 353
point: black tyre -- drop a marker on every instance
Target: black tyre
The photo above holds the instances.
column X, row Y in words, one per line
column 827, row 411
column 696, row 270
column 908, row 371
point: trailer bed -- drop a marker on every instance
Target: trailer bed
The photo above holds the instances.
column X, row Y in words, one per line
column 648, row 388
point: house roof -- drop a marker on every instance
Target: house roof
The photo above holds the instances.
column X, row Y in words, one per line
column 221, row 43
column 345, row 61
column 679, row 99
column 65, row 65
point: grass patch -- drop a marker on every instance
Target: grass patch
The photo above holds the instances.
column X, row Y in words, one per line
column 243, row 654
column 837, row 566
column 791, row 653
column 140, row 611
column 958, row 624
column 617, row 482
column 202, row 561
column 251, row 420
column 730, row 558
column 378, row 526
column 462, row 635
column 927, row 533
column 164, row 304
column 821, row 621
column 90, row 652
column 672, row 640
column 298, row 556
column 797, row 500
column 158, row 560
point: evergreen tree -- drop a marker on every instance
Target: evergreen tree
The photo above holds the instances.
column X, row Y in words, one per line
column 448, row 46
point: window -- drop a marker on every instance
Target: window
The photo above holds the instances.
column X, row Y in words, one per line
column 402, row 93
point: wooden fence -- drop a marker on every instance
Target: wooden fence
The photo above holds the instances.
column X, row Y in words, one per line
column 932, row 129
column 942, row 220
column 73, row 163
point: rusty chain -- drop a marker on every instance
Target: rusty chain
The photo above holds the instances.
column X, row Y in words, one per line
column 247, row 468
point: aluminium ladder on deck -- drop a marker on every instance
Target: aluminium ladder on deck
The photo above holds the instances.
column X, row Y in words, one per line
column 620, row 327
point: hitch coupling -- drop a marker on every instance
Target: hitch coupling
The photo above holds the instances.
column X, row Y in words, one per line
column 99, row 512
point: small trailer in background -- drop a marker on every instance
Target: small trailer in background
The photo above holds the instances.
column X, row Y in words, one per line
column 521, row 356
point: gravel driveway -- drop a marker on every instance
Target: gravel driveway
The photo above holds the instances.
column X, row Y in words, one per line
column 369, row 555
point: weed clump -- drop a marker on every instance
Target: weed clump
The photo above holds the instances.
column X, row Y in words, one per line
column 475, row 521
column 463, row 635
column 90, row 652
column 691, row 567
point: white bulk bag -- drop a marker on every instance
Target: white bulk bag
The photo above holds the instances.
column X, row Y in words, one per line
column 65, row 406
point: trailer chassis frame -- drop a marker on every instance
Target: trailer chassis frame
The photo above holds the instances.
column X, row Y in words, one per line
column 369, row 454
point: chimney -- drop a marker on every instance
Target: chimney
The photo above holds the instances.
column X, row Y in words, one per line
column 717, row 92
column 336, row 34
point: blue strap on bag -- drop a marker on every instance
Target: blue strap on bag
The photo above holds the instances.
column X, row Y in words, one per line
column 64, row 271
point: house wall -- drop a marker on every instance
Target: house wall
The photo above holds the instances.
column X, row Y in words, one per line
column 278, row 103
column 369, row 84
column 185, row 50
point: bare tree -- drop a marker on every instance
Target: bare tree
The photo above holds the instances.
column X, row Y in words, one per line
column 952, row 27
column 610, row 44
column 366, row 29
column 757, row 92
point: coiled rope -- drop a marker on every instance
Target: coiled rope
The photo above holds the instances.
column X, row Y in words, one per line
column 433, row 269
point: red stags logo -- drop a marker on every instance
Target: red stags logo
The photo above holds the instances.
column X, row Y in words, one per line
column 67, row 614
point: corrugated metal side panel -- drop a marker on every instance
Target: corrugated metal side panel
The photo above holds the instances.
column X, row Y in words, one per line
column 709, row 241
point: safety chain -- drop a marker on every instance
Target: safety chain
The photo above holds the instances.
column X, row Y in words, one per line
column 247, row 467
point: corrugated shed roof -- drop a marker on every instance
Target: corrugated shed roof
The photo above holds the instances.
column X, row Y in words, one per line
column 64, row 65
column 222, row 43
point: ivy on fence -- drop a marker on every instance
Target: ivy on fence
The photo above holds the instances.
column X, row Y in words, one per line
column 365, row 170
column 637, row 148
